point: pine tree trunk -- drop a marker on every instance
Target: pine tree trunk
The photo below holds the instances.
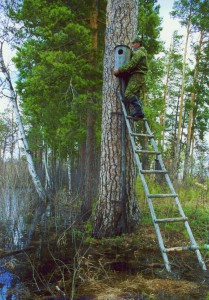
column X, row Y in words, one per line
column 192, row 152
column 69, row 174
column 191, row 111
column 89, row 187
column 121, row 28
column 173, row 163
column 89, row 178
column 162, row 117
column 178, row 142
column 81, row 169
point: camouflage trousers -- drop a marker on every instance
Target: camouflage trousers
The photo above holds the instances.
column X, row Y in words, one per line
column 135, row 86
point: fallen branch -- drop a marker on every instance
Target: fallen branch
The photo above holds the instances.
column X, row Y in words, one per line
column 6, row 254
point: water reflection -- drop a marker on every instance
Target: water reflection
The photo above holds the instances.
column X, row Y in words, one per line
column 22, row 221
column 13, row 209
column 7, row 282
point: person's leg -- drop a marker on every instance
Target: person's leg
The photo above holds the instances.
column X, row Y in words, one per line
column 133, row 89
column 137, row 105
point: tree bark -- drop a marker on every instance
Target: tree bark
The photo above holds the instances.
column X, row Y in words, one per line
column 191, row 111
column 81, row 169
column 178, row 142
column 48, row 182
column 121, row 29
column 13, row 98
column 89, row 177
column 165, row 94
column 69, row 174
column 89, row 186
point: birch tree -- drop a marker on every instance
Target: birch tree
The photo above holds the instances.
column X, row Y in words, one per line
column 121, row 20
column 8, row 90
column 13, row 98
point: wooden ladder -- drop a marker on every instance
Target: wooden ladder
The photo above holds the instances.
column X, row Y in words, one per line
column 137, row 150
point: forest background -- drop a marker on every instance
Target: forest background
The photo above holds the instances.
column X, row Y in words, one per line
column 52, row 143
column 59, row 58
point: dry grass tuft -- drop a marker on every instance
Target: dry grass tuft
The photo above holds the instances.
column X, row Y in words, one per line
column 133, row 286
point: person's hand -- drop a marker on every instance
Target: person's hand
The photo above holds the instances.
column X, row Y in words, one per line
column 116, row 72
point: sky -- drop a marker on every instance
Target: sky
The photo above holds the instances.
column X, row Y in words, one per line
column 169, row 25
column 8, row 54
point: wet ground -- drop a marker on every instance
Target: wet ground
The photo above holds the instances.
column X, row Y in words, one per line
column 47, row 254
column 128, row 267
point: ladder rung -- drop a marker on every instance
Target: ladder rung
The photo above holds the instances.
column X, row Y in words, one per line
column 147, row 152
column 137, row 149
column 178, row 249
column 171, row 220
column 136, row 119
column 161, row 195
column 143, row 134
column 153, row 171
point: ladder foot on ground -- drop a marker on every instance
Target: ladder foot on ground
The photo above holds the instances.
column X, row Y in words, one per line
column 171, row 195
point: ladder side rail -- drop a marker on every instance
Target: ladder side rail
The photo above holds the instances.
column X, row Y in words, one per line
column 159, row 235
column 201, row 261
column 193, row 241
column 133, row 144
column 156, row 226
column 172, row 189
column 136, row 157
column 132, row 139
column 186, row 224
column 155, row 147
column 167, row 178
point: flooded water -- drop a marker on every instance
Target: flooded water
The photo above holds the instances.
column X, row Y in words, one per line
column 26, row 231
column 45, row 256
column 7, row 281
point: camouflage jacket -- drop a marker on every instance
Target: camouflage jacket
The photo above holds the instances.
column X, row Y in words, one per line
column 137, row 64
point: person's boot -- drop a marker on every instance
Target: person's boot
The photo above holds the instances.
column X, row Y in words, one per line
column 138, row 112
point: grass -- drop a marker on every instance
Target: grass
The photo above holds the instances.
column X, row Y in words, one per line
column 207, row 297
column 194, row 201
column 86, row 266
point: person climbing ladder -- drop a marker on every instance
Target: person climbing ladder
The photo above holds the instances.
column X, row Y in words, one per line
column 135, row 70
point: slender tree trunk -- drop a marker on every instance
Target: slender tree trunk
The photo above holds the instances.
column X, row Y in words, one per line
column 4, row 149
column 191, row 111
column 1, row 151
column 81, row 169
column 173, row 164
column 162, row 117
column 192, row 154
column 39, row 188
column 178, row 142
column 48, row 182
column 94, row 26
column 89, row 186
column 12, row 147
column 121, row 28
column 13, row 98
column 89, row 179
column 69, row 174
